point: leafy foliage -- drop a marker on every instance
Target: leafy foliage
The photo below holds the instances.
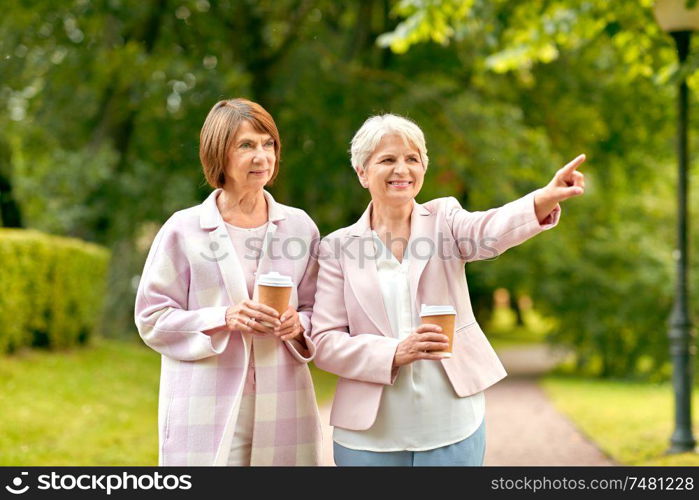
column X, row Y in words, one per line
column 596, row 77
column 103, row 101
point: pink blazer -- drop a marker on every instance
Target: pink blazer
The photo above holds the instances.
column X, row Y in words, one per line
column 191, row 276
column 351, row 329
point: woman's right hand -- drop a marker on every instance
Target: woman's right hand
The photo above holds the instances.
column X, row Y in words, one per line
column 247, row 316
column 425, row 342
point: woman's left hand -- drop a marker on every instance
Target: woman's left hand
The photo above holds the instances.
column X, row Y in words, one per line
column 291, row 325
column 566, row 183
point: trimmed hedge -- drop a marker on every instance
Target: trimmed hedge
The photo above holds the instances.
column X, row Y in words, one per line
column 51, row 289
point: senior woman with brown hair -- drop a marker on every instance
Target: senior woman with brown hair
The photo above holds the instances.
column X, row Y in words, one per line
column 399, row 400
column 235, row 387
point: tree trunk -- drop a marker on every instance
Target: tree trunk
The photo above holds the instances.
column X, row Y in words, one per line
column 117, row 127
column 359, row 39
column 10, row 213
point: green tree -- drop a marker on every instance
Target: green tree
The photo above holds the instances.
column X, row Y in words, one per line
column 103, row 102
column 594, row 77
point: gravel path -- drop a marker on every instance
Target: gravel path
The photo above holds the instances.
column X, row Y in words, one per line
column 522, row 426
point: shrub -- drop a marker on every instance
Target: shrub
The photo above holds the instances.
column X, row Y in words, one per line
column 51, row 289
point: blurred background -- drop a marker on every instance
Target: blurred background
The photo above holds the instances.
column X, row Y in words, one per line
column 101, row 103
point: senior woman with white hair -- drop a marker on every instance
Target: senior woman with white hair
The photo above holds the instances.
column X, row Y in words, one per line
column 399, row 401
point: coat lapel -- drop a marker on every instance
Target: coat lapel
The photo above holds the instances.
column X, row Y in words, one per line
column 423, row 245
column 221, row 246
column 236, row 289
column 363, row 276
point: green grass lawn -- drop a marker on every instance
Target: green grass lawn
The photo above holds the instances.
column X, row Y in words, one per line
column 91, row 406
column 98, row 406
column 629, row 421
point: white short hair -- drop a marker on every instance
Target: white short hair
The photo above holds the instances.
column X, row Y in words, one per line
column 375, row 128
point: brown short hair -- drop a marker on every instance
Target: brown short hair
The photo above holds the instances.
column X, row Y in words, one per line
column 218, row 131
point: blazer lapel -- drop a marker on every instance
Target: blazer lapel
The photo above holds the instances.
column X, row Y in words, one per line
column 363, row 276
column 422, row 245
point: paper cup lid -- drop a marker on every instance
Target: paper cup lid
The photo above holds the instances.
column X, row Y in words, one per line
column 436, row 310
column 274, row 279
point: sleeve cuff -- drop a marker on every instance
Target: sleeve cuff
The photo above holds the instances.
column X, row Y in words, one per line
column 550, row 221
column 296, row 348
column 215, row 326
column 391, row 373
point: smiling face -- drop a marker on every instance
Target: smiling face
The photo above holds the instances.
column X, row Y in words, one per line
column 394, row 172
column 251, row 158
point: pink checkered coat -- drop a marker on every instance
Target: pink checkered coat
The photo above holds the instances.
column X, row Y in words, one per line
column 191, row 276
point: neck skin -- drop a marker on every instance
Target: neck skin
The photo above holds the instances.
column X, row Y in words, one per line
column 391, row 218
column 244, row 202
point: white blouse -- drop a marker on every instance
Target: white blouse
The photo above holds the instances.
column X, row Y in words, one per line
column 248, row 246
column 420, row 411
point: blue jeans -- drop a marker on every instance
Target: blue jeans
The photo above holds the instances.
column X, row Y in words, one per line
column 469, row 452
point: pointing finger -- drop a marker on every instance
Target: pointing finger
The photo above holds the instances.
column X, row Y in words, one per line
column 570, row 167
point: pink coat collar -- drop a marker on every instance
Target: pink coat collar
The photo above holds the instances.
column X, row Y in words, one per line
column 210, row 217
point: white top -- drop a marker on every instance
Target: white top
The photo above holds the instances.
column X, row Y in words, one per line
column 420, row 411
column 248, row 246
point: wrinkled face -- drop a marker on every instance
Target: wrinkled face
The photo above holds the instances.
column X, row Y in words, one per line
column 251, row 158
column 394, row 172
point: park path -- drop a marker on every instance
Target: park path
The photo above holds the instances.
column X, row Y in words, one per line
column 522, row 425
